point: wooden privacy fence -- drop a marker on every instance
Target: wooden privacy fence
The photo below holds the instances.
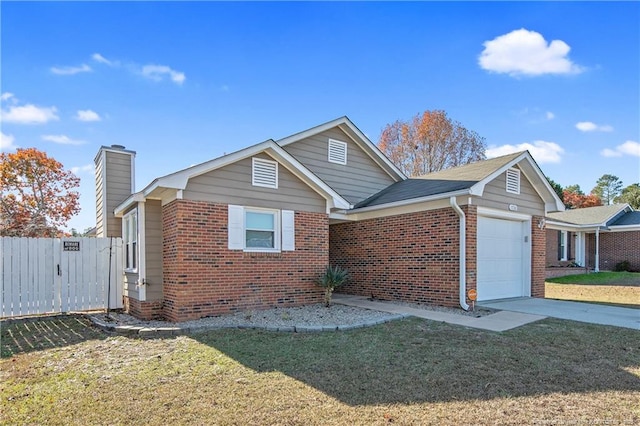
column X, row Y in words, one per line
column 53, row 275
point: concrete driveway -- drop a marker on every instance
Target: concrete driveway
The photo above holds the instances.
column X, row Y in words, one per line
column 576, row 311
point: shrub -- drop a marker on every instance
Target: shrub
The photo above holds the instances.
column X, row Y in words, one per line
column 623, row 266
column 332, row 278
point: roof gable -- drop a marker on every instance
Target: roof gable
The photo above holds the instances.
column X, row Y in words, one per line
column 352, row 132
column 178, row 180
column 468, row 179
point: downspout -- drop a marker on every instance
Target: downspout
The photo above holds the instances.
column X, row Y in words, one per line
column 463, row 253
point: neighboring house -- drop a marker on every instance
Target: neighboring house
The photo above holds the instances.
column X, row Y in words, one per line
column 253, row 229
column 597, row 238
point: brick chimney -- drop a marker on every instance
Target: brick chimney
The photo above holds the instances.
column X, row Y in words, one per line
column 115, row 182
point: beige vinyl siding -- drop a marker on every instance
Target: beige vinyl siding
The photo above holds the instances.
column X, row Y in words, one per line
column 118, row 187
column 496, row 196
column 131, row 285
column 153, row 249
column 99, row 198
column 232, row 185
column 360, row 178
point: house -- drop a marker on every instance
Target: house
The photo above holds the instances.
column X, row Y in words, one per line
column 254, row 228
column 596, row 238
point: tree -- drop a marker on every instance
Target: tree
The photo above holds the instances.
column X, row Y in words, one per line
column 576, row 200
column 630, row 195
column 607, row 188
column 38, row 196
column 557, row 188
column 574, row 188
column 430, row 142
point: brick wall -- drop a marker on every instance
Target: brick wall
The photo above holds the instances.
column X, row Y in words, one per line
column 615, row 247
column 143, row 310
column 203, row 278
column 538, row 257
column 552, row 248
column 412, row 257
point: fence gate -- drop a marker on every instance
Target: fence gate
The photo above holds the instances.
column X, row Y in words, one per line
column 52, row 275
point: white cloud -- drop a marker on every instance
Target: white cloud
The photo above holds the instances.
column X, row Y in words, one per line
column 542, row 151
column 101, row 59
column 628, row 148
column 6, row 143
column 524, row 52
column 158, row 72
column 81, row 169
column 29, row 114
column 71, row 70
column 62, row 140
column 550, row 115
column 588, row 126
column 6, row 96
column 87, row 115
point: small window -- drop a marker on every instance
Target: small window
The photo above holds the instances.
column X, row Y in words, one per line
column 260, row 230
column 130, row 236
column 513, row 181
column 562, row 245
column 337, row 152
column 264, row 173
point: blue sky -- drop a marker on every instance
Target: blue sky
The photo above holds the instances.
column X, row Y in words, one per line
column 181, row 83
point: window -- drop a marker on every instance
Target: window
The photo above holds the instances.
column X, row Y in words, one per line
column 255, row 229
column 130, row 235
column 260, row 230
column 562, row 245
column 264, row 173
column 513, row 181
column 337, row 152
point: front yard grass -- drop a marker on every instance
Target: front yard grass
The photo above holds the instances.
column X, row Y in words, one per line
column 611, row 288
column 405, row 372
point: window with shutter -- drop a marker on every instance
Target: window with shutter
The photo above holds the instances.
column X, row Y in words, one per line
column 513, row 181
column 264, row 173
column 337, row 152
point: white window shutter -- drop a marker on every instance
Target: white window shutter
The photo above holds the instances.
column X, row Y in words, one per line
column 288, row 230
column 236, row 227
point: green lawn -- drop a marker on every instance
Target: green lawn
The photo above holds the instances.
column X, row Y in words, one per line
column 610, row 288
column 406, row 372
column 600, row 278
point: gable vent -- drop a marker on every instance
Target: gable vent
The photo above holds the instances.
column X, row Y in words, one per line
column 337, row 152
column 264, row 173
column 513, row 181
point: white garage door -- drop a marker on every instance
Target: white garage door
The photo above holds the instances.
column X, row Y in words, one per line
column 501, row 257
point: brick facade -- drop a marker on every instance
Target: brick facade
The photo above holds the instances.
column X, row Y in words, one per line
column 553, row 239
column 415, row 257
column 538, row 257
column 143, row 310
column 203, row 278
column 615, row 247
column 411, row 257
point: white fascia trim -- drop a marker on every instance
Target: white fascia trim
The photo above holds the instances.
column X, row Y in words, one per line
column 409, row 201
column 142, row 257
column 478, row 188
column 624, row 228
column 372, row 148
column 126, row 204
column 501, row 214
column 103, row 161
column 574, row 227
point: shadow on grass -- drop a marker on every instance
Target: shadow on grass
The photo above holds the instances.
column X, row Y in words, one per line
column 34, row 334
column 415, row 361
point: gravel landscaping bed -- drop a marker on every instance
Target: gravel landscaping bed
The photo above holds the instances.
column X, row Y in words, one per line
column 308, row 318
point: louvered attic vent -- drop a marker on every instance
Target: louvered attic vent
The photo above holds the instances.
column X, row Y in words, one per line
column 337, row 152
column 264, row 173
column 513, row 181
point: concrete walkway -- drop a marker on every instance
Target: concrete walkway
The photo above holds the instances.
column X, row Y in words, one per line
column 500, row 321
column 576, row 311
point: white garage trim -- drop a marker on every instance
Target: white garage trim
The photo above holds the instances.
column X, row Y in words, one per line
column 525, row 263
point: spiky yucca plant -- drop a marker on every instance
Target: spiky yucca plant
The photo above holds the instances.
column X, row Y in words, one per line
column 332, row 278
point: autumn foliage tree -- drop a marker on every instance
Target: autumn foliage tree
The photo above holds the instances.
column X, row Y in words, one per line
column 38, row 196
column 430, row 142
column 574, row 198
